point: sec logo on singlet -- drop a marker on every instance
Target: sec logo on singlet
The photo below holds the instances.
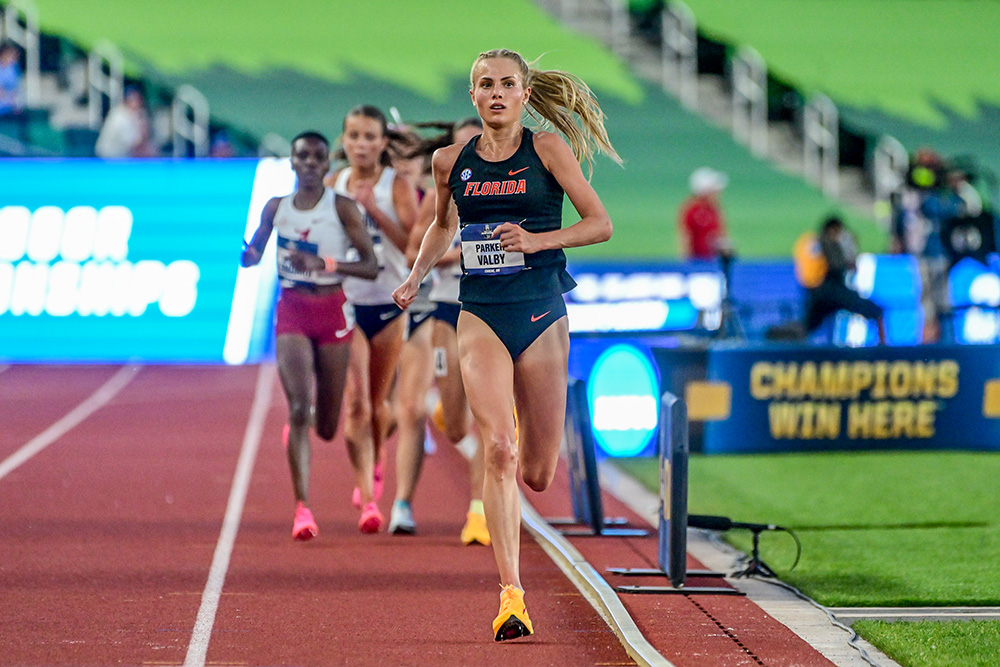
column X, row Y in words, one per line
column 466, row 174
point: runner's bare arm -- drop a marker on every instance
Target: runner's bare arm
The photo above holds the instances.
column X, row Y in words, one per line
column 594, row 225
column 438, row 237
column 255, row 248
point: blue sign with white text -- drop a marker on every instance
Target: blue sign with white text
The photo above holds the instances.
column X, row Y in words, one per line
column 118, row 260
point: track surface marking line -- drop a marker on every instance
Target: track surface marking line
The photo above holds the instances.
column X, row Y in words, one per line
column 92, row 404
column 202, row 632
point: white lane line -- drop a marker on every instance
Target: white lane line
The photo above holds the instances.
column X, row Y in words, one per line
column 4, row 367
column 202, row 632
column 97, row 400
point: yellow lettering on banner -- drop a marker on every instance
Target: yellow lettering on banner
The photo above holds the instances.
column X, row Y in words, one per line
column 833, row 378
column 904, row 419
column 807, row 380
column 948, row 378
column 858, row 416
column 760, row 380
column 878, row 388
column 807, row 420
column 881, row 420
column 880, row 417
column 924, row 379
column 900, row 379
column 783, row 420
column 861, row 378
column 784, row 380
column 926, row 412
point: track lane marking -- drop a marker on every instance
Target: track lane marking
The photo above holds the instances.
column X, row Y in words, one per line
column 201, row 634
column 89, row 406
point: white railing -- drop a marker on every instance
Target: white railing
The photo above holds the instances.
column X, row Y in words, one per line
column 103, row 84
column 189, row 120
column 679, row 53
column 889, row 164
column 749, row 74
column 20, row 26
column 619, row 36
column 821, row 144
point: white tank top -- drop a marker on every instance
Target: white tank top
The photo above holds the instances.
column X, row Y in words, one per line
column 317, row 231
column 393, row 269
column 447, row 277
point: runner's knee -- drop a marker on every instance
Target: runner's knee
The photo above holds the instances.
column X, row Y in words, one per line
column 299, row 413
column 538, row 476
column 501, row 455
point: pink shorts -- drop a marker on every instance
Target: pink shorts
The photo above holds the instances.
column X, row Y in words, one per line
column 322, row 318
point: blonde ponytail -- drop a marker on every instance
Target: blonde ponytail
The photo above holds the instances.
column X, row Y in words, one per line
column 559, row 99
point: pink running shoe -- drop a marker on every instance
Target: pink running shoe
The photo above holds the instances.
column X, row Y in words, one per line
column 378, row 487
column 371, row 519
column 284, row 435
column 304, row 528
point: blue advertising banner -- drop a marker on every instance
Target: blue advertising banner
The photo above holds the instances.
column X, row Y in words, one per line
column 118, row 260
column 810, row 399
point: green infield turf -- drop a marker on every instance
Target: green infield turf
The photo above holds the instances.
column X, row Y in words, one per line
column 933, row 644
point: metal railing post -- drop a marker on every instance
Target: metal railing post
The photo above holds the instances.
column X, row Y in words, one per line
column 821, row 144
column 679, row 52
column 889, row 164
column 20, row 26
column 749, row 73
column 103, row 85
column 189, row 119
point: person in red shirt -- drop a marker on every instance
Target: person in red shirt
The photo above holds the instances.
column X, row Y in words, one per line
column 700, row 223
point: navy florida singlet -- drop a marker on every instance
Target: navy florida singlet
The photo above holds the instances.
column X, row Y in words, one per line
column 520, row 190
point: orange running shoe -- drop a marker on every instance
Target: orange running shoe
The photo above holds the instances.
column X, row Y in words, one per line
column 438, row 417
column 475, row 530
column 512, row 621
column 371, row 519
column 304, row 527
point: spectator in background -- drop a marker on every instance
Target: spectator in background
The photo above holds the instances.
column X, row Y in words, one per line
column 839, row 251
column 221, row 145
column 11, row 77
column 126, row 130
column 700, row 223
column 933, row 195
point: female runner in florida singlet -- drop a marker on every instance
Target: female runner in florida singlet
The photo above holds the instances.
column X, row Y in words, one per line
column 389, row 205
column 513, row 337
column 313, row 326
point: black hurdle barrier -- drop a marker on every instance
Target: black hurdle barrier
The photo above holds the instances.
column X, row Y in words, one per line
column 672, row 551
column 584, row 483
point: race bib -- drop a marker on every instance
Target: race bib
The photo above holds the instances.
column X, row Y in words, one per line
column 482, row 255
column 284, row 252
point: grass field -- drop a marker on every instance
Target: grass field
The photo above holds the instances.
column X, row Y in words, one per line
column 877, row 529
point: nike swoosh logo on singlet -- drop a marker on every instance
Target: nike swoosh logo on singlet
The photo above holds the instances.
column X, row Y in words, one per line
column 512, row 172
column 535, row 318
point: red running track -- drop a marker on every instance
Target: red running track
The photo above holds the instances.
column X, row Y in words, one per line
column 109, row 532
column 107, row 537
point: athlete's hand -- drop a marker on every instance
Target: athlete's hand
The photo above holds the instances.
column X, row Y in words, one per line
column 303, row 262
column 364, row 194
column 514, row 239
column 250, row 256
column 406, row 293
